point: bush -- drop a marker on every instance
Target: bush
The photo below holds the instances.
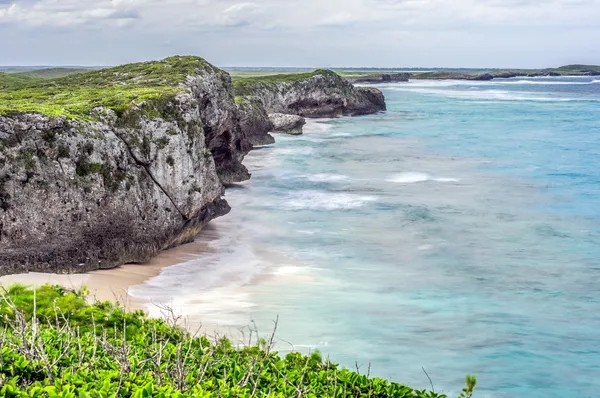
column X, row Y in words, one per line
column 54, row 344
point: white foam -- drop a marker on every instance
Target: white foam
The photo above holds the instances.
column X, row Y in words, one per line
column 295, row 151
column 446, row 179
column 482, row 84
column 409, row 178
column 327, row 177
column 319, row 200
column 415, row 177
column 316, row 126
column 543, row 82
column 308, row 232
column 499, row 95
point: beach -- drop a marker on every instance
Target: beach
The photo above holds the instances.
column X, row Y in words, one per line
column 113, row 284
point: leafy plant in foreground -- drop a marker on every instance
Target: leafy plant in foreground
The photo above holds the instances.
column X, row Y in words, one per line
column 54, row 344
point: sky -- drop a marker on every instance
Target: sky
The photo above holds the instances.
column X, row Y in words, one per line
column 307, row 33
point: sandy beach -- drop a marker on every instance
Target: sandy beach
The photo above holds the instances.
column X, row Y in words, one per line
column 113, row 284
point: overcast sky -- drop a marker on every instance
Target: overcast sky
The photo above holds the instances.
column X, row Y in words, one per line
column 385, row 33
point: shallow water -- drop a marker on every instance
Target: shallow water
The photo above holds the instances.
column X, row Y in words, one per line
column 458, row 232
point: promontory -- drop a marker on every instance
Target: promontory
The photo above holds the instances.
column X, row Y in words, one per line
column 111, row 166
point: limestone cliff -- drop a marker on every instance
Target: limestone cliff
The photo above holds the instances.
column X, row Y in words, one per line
column 322, row 93
column 95, row 188
column 254, row 121
column 111, row 166
column 375, row 78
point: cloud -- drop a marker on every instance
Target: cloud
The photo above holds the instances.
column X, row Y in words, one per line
column 240, row 14
column 66, row 12
column 317, row 31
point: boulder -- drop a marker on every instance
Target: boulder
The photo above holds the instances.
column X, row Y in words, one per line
column 287, row 124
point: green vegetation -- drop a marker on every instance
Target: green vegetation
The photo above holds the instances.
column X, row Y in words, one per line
column 54, row 344
column 247, row 85
column 578, row 69
column 118, row 88
column 52, row 73
column 10, row 81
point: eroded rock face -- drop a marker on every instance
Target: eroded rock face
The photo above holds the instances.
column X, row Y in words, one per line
column 287, row 124
column 99, row 191
column 79, row 195
column 380, row 78
column 325, row 94
column 218, row 112
column 254, row 121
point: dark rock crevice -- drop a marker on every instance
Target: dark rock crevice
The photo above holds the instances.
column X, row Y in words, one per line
column 146, row 168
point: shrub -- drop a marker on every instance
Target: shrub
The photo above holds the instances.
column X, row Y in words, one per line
column 54, row 344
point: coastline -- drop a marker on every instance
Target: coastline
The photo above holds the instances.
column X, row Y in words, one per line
column 114, row 284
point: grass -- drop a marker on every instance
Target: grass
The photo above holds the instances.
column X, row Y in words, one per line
column 578, row 69
column 55, row 344
column 9, row 81
column 75, row 96
column 246, row 85
column 53, row 73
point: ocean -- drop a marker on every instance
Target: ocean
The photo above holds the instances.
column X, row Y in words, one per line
column 458, row 232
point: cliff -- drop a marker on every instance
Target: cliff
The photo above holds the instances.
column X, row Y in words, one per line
column 111, row 166
column 321, row 93
column 374, row 78
column 567, row 70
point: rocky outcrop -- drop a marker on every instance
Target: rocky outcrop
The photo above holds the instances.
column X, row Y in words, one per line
column 254, row 121
column 511, row 74
column 451, row 76
column 213, row 95
column 379, row 78
column 321, row 93
column 78, row 194
column 143, row 169
column 287, row 124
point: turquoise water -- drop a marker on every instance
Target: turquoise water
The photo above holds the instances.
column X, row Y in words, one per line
column 458, row 232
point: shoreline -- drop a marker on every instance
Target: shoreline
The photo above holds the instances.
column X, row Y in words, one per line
column 114, row 284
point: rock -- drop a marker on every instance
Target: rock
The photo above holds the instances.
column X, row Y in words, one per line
column 505, row 75
column 219, row 118
column 380, row 78
column 254, row 121
column 483, row 77
column 322, row 93
column 135, row 158
column 287, row 124
column 79, row 194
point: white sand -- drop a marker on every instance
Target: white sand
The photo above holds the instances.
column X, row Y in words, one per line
column 113, row 284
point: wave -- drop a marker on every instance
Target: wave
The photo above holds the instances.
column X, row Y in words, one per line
column 544, row 82
column 294, row 151
column 327, row 177
column 319, row 200
column 412, row 177
column 316, row 126
column 488, row 83
column 498, row 95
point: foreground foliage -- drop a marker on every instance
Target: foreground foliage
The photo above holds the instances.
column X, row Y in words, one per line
column 54, row 344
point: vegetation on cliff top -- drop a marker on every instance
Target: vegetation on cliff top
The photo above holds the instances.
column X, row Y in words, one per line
column 54, row 344
column 51, row 73
column 114, row 88
column 246, row 85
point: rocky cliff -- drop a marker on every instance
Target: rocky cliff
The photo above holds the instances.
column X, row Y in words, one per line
column 84, row 187
column 375, row 78
column 112, row 166
column 254, row 121
column 321, row 93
